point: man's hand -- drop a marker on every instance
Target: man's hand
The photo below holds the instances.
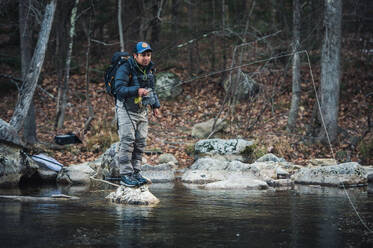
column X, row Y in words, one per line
column 156, row 112
column 143, row 92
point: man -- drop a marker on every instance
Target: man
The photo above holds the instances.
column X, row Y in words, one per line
column 134, row 88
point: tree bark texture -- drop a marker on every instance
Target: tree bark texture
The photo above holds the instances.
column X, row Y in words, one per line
column 26, row 93
column 120, row 25
column 65, row 86
column 330, row 69
column 24, row 9
column 296, row 89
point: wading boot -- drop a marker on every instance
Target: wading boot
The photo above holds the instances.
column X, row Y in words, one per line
column 129, row 180
column 142, row 180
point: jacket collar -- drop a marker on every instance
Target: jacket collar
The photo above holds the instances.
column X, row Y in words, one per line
column 133, row 63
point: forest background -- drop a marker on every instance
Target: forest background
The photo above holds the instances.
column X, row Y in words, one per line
column 281, row 45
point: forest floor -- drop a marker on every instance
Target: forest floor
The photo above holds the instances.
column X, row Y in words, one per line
column 262, row 118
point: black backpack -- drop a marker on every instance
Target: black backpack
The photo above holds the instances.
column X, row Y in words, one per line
column 117, row 60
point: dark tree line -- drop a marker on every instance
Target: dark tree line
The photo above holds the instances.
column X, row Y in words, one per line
column 195, row 36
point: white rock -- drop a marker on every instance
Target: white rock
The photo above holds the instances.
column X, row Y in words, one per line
column 238, row 183
column 134, row 196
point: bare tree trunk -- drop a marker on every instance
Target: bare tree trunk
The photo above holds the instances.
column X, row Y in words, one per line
column 224, row 43
column 65, row 87
column 120, row 25
column 28, row 88
column 29, row 128
column 89, row 104
column 156, row 23
column 296, row 89
column 190, row 48
column 330, row 70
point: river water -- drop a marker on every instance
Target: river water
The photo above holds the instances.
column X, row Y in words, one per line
column 190, row 217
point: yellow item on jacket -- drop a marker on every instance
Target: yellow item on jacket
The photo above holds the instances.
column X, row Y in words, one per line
column 138, row 100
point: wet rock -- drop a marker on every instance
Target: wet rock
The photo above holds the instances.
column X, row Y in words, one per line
column 75, row 174
column 370, row 178
column 133, row 196
column 238, row 183
column 203, row 129
column 282, row 173
column 237, row 174
column 350, row 174
column 47, row 175
column 14, row 164
column 203, row 176
column 280, row 183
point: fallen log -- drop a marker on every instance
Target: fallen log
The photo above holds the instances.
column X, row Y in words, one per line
column 53, row 198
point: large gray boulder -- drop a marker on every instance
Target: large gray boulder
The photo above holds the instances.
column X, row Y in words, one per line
column 76, row 174
column 167, row 85
column 166, row 158
column 212, row 173
column 135, row 196
column 203, row 129
column 246, row 85
column 229, row 150
column 14, row 164
column 109, row 167
column 161, row 173
column 348, row 174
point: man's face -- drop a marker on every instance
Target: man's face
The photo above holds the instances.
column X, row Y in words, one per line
column 143, row 58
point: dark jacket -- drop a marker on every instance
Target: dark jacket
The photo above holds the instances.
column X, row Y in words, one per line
column 129, row 78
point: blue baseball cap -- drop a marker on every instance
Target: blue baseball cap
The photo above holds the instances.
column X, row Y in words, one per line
column 142, row 47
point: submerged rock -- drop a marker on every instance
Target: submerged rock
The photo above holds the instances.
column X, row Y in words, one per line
column 133, row 196
column 348, row 174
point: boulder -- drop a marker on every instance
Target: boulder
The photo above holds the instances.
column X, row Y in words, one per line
column 370, row 178
column 238, row 183
column 109, row 167
column 246, row 85
column 75, row 174
column 229, row 150
column 214, row 173
column 161, row 173
column 203, row 176
column 167, row 85
column 269, row 157
column 166, row 158
column 348, row 174
column 14, row 164
column 134, row 196
column 203, row 129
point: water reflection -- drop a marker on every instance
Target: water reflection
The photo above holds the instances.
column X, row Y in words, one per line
column 189, row 217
